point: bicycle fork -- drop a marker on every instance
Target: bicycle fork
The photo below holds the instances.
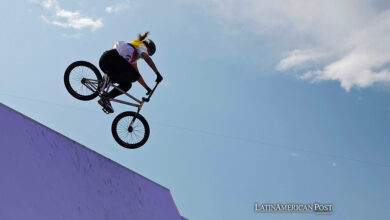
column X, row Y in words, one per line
column 136, row 114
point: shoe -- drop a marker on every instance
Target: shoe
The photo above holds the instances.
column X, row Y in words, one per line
column 105, row 103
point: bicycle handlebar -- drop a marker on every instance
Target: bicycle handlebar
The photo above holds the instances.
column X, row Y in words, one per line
column 147, row 99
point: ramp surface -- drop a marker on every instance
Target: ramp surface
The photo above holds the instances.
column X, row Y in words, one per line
column 46, row 176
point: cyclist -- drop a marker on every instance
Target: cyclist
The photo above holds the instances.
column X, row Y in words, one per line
column 120, row 64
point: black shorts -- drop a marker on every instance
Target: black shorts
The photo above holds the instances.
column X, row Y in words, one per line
column 119, row 70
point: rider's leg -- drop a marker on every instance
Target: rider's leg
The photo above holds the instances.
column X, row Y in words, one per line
column 124, row 79
column 120, row 71
column 105, row 103
column 124, row 85
column 112, row 63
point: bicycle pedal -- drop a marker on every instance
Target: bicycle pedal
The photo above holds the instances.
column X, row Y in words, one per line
column 105, row 111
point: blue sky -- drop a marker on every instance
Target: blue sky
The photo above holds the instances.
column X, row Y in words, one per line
column 261, row 102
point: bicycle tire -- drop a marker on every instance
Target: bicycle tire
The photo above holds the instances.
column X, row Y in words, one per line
column 117, row 126
column 91, row 71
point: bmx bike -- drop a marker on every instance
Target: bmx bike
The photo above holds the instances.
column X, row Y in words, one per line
column 84, row 82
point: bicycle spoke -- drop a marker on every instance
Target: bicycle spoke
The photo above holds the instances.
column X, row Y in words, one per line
column 78, row 74
column 130, row 137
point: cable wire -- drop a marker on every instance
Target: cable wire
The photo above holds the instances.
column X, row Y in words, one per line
column 247, row 140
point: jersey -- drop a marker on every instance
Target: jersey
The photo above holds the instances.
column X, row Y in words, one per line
column 130, row 51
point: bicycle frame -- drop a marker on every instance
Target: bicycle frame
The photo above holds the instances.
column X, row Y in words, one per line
column 139, row 105
column 92, row 85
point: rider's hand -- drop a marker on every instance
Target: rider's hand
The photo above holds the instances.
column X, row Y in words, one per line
column 148, row 91
column 159, row 77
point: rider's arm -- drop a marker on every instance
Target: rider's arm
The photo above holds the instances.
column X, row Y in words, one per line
column 135, row 66
column 150, row 62
column 140, row 80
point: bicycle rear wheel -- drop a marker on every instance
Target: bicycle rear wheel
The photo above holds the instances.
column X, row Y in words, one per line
column 127, row 135
column 81, row 79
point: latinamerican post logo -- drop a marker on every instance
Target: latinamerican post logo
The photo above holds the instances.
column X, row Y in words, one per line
column 315, row 208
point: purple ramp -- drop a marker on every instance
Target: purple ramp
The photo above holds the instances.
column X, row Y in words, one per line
column 47, row 176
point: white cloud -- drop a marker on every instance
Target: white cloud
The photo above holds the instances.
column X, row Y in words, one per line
column 298, row 58
column 111, row 9
column 365, row 63
column 68, row 19
column 334, row 164
column 295, row 155
column 118, row 7
column 74, row 36
column 345, row 40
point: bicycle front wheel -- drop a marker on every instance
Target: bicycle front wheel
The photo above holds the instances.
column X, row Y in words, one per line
column 130, row 130
column 81, row 79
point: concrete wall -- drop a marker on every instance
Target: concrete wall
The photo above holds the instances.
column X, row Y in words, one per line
column 46, row 176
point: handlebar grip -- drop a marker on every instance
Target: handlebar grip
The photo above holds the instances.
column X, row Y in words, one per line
column 149, row 94
column 145, row 99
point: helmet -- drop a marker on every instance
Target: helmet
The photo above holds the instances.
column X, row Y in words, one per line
column 149, row 43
